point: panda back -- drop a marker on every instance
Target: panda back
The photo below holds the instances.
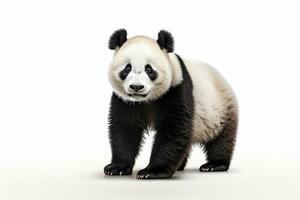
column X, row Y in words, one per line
column 213, row 97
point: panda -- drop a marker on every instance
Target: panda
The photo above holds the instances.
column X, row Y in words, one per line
column 184, row 102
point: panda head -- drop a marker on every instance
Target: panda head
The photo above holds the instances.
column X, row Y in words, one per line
column 140, row 69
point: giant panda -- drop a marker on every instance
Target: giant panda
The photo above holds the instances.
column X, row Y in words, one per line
column 185, row 102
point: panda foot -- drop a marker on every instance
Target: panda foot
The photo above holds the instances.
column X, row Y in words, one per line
column 180, row 169
column 115, row 169
column 213, row 167
column 149, row 173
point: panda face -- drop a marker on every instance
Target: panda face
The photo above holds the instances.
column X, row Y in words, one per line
column 140, row 70
column 138, row 81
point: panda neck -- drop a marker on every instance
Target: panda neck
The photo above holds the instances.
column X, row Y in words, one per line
column 176, row 70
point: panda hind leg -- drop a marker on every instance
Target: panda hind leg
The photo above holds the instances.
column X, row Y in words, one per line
column 220, row 149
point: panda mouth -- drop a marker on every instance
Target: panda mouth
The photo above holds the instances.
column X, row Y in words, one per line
column 137, row 95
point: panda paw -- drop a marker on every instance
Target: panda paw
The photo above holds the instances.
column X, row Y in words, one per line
column 212, row 167
column 115, row 169
column 149, row 173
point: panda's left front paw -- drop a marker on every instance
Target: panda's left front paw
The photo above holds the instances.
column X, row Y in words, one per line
column 151, row 173
column 115, row 169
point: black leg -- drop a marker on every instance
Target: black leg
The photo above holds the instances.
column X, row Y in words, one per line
column 219, row 150
column 183, row 164
column 125, row 140
column 166, row 155
column 171, row 144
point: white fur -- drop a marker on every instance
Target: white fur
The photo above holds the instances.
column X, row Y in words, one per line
column 140, row 51
column 212, row 96
column 176, row 69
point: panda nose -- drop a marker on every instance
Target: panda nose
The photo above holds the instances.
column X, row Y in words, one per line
column 136, row 87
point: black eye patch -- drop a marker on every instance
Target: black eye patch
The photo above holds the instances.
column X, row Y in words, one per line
column 124, row 73
column 152, row 74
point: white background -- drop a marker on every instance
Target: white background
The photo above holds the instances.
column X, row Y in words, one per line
column 54, row 96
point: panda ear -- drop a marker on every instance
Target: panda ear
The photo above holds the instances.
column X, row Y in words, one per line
column 117, row 39
column 165, row 41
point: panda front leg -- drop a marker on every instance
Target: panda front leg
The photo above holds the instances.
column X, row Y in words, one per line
column 171, row 144
column 125, row 142
column 183, row 163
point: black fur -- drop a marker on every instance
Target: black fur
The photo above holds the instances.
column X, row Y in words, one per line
column 117, row 39
column 183, row 164
column 172, row 116
column 153, row 74
column 165, row 41
column 124, row 73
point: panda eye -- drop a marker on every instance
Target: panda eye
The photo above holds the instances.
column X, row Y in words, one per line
column 151, row 72
column 148, row 69
column 127, row 68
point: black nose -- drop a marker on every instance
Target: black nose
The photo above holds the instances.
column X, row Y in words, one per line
column 136, row 87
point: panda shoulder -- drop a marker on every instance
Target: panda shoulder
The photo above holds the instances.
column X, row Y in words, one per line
column 177, row 76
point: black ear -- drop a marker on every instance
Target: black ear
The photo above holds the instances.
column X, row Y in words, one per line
column 165, row 41
column 117, row 39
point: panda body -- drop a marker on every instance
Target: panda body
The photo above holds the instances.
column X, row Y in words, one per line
column 213, row 99
column 184, row 101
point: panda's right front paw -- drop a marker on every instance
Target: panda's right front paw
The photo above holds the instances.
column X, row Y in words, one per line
column 115, row 169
